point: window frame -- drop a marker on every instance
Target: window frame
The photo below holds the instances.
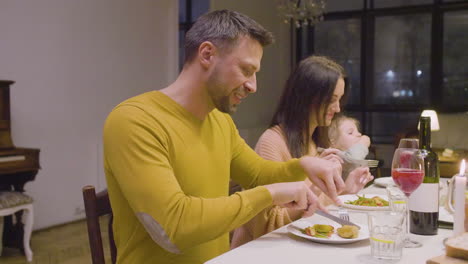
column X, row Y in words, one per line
column 368, row 15
column 184, row 27
column 189, row 20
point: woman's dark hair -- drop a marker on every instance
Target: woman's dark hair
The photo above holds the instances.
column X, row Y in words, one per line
column 223, row 28
column 308, row 90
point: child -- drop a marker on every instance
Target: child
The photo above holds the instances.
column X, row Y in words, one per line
column 344, row 135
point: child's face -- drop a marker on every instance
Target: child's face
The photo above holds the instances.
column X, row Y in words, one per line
column 348, row 135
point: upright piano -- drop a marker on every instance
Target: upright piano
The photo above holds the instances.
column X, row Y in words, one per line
column 17, row 167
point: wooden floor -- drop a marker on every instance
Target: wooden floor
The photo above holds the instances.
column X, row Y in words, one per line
column 65, row 244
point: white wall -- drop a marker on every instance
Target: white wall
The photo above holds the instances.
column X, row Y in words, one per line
column 72, row 62
column 452, row 133
column 255, row 113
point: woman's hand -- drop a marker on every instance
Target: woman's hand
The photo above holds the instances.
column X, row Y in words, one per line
column 357, row 179
column 365, row 140
column 331, row 154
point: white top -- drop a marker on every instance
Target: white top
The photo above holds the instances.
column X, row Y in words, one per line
column 282, row 247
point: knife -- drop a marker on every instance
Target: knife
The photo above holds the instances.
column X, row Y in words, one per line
column 336, row 219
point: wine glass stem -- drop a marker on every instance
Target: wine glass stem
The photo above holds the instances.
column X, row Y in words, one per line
column 408, row 242
column 407, row 218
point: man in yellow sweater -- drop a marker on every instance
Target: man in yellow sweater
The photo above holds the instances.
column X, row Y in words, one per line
column 169, row 154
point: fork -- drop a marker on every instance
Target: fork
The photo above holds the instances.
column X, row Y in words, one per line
column 343, row 213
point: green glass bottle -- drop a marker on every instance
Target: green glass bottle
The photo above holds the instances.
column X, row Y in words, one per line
column 424, row 202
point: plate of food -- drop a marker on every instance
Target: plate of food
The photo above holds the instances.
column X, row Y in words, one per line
column 384, row 182
column 327, row 232
column 365, row 202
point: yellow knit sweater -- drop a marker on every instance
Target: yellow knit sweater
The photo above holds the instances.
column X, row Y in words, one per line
column 168, row 178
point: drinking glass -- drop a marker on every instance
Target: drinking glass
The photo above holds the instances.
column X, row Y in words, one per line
column 408, row 174
column 396, row 199
column 386, row 234
column 409, row 143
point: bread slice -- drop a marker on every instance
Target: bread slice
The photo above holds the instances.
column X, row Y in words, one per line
column 457, row 246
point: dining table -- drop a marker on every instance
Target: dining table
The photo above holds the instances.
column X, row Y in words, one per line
column 283, row 247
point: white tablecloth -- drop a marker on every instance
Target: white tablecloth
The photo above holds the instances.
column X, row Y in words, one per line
column 283, row 248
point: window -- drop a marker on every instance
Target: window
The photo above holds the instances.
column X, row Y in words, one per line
column 340, row 40
column 455, row 59
column 401, row 60
column 339, row 5
column 401, row 56
column 398, row 3
column 189, row 11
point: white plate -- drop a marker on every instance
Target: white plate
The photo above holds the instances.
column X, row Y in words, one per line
column 384, row 182
column 333, row 239
column 445, row 216
column 353, row 197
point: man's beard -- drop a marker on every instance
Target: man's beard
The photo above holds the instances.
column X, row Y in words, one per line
column 223, row 104
column 221, row 101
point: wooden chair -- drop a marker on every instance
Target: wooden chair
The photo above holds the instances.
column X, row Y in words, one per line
column 97, row 205
column 373, row 155
column 13, row 202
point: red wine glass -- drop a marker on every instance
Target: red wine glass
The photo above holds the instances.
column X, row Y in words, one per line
column 409, row 143
column 408, row 174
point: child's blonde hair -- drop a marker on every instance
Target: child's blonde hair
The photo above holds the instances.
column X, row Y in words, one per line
column 334, row 128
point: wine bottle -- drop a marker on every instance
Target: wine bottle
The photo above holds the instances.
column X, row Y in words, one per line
column 424, row 201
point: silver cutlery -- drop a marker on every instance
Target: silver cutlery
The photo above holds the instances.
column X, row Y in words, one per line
column 339, row 220
column 347, row 159
column 343, row 213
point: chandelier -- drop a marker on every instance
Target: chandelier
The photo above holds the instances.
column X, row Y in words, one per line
column 301, row 12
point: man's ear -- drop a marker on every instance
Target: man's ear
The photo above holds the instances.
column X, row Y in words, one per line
column 206, row 51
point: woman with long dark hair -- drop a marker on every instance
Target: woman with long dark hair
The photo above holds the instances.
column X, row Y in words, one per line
column 309, row 102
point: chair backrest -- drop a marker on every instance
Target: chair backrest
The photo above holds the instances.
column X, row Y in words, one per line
column 376, row 171
column 97, row 205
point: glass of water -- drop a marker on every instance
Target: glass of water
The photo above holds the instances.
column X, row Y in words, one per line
column 387, row 234
column 396, row 199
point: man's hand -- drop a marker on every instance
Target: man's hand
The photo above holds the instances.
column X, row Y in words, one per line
column 294, row 195
column 325, row 174
column 357, row 179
